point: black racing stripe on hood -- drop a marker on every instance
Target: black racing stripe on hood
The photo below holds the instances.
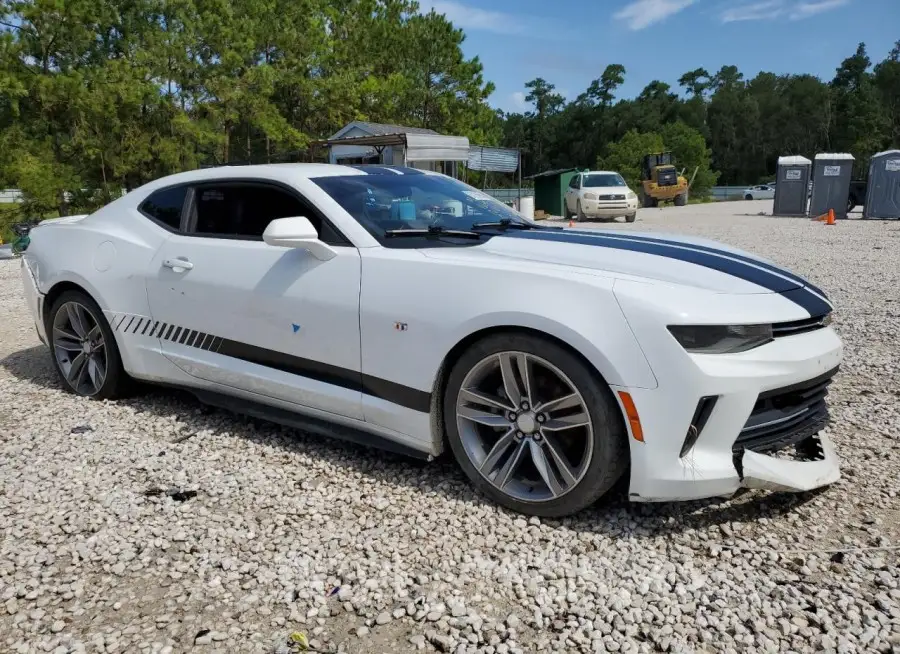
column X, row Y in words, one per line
column 705, row 248
column 720, row 261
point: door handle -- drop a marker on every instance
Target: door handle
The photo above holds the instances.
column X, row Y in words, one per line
column 178, row 265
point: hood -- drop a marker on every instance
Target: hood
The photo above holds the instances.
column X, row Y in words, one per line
column 671, row 259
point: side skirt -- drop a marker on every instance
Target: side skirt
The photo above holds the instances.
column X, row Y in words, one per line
column 318, row 426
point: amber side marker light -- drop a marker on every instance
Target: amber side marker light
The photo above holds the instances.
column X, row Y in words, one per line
column 634, row 420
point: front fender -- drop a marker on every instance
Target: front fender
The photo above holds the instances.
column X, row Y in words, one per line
column 611, row 348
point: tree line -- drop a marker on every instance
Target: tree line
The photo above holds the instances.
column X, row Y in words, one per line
column 97, row 96
column 100, row 96
column 730, row 129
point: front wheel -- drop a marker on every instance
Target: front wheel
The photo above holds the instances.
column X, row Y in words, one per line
column 579, row 214
column 748, row 197
column 532, row 426
column 681, row 200
column 84, row 349
column 630, row 218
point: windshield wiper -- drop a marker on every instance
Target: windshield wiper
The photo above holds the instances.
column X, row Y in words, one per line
column 434, row 230
column 503, row 223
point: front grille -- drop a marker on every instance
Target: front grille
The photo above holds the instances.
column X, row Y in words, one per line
column 611, row 197
column 667, row 178
column 800, row 326
column 786, row 416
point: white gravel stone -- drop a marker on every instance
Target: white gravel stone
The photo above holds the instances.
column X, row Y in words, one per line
column 90, row 562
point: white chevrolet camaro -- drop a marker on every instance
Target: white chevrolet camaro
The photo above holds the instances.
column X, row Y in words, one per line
column 409, row 310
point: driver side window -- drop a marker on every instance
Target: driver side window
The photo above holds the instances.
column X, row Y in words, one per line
column 243, row 210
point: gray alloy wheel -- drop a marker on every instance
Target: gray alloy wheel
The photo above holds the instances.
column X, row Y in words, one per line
column 532, row 439
column 84, row 349
column 533, row 426
column 80, row 348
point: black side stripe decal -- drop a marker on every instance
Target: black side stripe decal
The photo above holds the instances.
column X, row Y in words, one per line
column 721, row 261
column 405, row 396
column 705, row 248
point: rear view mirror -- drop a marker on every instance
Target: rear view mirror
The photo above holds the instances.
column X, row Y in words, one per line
column 297, row 232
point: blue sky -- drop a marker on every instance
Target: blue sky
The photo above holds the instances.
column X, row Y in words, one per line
column 570, row 42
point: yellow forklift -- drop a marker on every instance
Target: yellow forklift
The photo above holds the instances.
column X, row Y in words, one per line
column 661, row 182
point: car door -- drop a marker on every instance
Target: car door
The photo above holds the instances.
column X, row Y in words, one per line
column 274, row 321
column 768, row 192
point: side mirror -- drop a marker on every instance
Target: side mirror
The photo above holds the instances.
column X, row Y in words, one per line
column 297, row 232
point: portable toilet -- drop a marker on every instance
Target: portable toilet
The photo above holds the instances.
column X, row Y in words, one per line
column 791, row 184
column 831, row 184
column 550, row 190
column 883, row 192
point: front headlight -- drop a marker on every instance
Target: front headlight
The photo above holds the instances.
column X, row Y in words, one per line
column 590, row 196
column 631, row 195
column 721, row 339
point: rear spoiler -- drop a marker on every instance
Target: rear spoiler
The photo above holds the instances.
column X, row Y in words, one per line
column 65, row 220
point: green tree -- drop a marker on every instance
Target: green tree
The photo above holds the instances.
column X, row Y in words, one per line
column 624, row 156
column 691, row 154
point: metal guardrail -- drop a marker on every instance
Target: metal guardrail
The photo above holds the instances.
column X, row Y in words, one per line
column 10, row 196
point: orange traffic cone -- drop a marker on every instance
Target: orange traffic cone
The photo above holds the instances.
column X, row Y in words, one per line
column 830, row 220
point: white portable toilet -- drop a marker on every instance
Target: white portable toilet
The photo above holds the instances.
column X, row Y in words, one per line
column 883, row 189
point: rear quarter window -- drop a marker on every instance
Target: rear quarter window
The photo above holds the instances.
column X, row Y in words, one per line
column 165, row 206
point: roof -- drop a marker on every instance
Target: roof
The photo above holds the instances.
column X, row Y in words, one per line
column 833, row 156
column 886, row 153
column 552, row 173
column 380, row 129
column 795, row 160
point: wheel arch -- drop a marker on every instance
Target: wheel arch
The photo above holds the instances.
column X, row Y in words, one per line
column 439, row 433
column 60, row 287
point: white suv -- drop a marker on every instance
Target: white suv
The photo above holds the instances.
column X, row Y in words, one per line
column 600, row 194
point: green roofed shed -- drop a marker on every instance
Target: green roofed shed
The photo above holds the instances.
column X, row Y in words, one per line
column 550, row 190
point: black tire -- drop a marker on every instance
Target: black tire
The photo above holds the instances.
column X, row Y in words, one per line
column 647, row 202
column 681, row 200
column 630, row 218
column 116, row 382
column 609, row 460
column 566, row 212
column 579, row 214
column 851, row 204
column 748, row 197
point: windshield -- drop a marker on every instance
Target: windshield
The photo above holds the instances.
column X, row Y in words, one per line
column 603, row 179
column 389, row 202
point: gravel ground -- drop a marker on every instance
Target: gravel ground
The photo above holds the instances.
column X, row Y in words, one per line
column 161, row 526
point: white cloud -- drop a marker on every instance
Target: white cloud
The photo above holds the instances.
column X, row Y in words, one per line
column 517, row 100
column 768, row 9
column 807, row 9
column 643, row 13
column 755, row 11
column 474, row 18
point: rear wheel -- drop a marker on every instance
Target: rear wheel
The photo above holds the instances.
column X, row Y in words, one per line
column 84, row 349
column 681, row 200
column 532, row 426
